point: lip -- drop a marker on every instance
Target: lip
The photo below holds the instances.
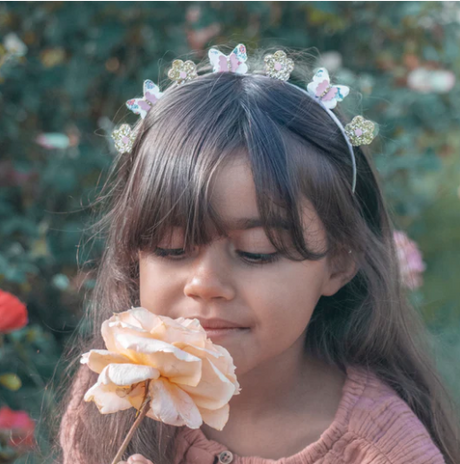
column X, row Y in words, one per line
column 225, row 332
column 218, row 324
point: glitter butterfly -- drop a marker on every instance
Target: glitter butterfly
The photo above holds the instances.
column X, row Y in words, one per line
column 143, row 105
column 320, row 87
column 235, row 62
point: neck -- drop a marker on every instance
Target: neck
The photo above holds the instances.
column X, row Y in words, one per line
column 292, row 385
column 277, row 382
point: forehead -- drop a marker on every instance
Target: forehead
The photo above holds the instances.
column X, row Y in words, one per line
column 246, row 223
column 233, row 197
column 233, row 202
column 232, row 209
column 232, row 191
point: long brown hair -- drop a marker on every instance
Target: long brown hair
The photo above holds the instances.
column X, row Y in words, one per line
column 295, row 150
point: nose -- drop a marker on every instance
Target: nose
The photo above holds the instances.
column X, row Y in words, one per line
column 210, row 275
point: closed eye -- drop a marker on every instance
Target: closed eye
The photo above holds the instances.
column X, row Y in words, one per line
column 177, row 254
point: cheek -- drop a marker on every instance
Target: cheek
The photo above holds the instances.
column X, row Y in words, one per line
column 291, row 296
column 156, row 291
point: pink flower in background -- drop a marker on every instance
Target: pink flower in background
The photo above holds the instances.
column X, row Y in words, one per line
column 410, row 260
column 53, row 140
column 59, row 140
column 12, row 177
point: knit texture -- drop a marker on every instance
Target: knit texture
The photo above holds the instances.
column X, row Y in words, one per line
column 372, row 425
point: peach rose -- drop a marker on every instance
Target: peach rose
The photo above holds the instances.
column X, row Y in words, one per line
column 191, row 379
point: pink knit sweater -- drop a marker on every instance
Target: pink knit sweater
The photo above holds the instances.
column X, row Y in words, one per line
column 372, row 425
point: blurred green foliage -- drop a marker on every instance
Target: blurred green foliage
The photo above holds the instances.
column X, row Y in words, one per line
column 67, row 68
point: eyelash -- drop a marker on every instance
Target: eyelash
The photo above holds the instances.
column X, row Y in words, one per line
column 263, row 258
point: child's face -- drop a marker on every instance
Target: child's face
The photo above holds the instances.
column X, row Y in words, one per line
column 274, row 301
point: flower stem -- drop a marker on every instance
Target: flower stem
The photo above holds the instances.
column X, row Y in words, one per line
column 143, row 412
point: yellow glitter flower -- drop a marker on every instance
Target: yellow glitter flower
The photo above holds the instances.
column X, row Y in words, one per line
column 124, row 138
column 361, row 131
column 182, row 71
column 278, row 65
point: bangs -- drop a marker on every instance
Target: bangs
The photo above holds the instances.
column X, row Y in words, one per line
column 193, row 131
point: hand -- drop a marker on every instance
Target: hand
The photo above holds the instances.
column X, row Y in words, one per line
column 136, row 459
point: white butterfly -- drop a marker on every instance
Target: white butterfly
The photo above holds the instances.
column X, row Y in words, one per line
column 320, row 87
column 143, row 105
column 235, row 62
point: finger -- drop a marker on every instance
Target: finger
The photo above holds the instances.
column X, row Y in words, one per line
column 138, row 459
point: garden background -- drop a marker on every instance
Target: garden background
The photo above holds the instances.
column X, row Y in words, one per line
column 66, row 70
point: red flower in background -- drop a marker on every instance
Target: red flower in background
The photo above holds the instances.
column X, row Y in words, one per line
column 13, row 313
column 19, row 427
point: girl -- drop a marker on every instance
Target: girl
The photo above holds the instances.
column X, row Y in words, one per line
column 240, row 200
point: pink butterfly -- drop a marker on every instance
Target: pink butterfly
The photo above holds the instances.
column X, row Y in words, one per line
column 235, row 62
column 320, row 87
column 143, row 105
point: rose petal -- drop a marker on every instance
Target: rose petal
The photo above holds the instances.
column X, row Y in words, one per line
column 137, row 395
column 191, row 323
column 129, row 327
column 110, row 328
column 172, row 405
column 127, row 374
column 214, row 389
column 150, row 321
column 98, row 359
column 106, row 398
column 152, row 345
column 216, row 418
column 175, row 364
column 221, row 359
column 179, row 335
column 191, row 379
column 142, row 317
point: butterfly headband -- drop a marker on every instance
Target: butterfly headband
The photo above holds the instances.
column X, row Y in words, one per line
column 278, row 66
